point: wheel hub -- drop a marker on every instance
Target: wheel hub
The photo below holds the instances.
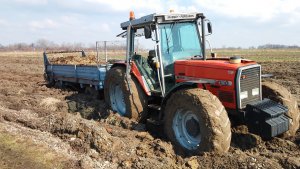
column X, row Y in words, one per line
column 117, row 99
column 186, row 128
column 192, row 127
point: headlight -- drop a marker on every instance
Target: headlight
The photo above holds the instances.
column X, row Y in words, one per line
column 255, row 91
column 244, row 95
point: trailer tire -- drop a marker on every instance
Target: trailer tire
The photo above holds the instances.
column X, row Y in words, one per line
column 49, row 80
column 281, row 95
column 91, row 91
column 188, row 108
column 133, row 105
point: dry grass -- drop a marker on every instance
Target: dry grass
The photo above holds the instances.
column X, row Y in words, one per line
column 263, row 55
column 18, row 153
column 21, row 54
column 50, row 103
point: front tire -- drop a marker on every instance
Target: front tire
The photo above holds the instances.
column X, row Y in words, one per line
column 196, row 121
column 281, row 95
column 118, row 97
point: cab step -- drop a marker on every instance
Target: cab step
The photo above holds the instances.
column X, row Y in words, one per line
column 154, row 106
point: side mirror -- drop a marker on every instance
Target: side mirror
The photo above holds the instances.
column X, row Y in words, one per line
column 209, row 27
column 147, row 32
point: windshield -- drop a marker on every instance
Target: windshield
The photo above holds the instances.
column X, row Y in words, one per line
column 179, row 41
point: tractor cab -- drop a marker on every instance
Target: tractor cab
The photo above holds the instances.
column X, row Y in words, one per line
column 175, row 36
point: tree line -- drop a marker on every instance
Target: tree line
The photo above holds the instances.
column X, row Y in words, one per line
column 266, row 46
column 46, row 45
column 277, row 46
column 43, row 44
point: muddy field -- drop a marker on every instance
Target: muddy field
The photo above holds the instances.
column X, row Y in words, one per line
column 43, row 127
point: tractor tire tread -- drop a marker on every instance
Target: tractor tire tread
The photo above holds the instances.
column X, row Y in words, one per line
column 280, row 94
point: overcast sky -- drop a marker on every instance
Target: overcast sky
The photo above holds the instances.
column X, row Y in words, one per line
column 235, row 22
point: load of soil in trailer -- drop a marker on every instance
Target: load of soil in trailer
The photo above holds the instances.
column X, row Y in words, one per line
column 89, row 59
column 76, row 60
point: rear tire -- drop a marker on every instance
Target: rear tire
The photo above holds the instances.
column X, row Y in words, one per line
column 281, row 95
column 196, row 121
column 118, row 97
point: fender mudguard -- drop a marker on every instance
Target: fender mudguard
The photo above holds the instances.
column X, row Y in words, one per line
column 135, row 72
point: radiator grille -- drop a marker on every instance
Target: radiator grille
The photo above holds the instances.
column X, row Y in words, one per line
column 250, row 79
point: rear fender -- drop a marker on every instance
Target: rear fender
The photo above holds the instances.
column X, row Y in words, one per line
column 121, row 64
column 136, row 73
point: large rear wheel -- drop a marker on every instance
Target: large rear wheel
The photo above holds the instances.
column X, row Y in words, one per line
column 281, row 95
column 196, row 121
column 118, row 97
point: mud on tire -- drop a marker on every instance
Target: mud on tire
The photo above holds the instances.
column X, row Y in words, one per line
column 135, row 104
column 281, row 95
column 197, row 105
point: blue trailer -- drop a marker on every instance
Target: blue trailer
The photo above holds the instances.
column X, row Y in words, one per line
column 65, row 74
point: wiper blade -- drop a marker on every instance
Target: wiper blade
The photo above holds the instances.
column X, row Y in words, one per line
column 168, row 36
column 168, row 48
column 197, row 57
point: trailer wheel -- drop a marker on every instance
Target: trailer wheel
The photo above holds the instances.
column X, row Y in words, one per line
column 91, row 91
column 118, row 97
column 196, row 121
column 49, row 80
column 281, row 95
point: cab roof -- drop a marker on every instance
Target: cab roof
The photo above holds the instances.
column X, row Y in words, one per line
column 152, row 18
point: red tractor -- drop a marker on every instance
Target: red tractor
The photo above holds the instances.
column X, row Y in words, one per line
column 194, row 95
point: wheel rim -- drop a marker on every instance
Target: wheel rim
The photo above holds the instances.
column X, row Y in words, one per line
column 117, row 99
column 186, row 127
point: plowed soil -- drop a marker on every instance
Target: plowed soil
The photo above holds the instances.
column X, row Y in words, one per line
column 43, row 127
column 285, row 73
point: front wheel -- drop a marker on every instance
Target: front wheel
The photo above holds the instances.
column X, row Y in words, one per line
column 196, row 121
column 281, row 95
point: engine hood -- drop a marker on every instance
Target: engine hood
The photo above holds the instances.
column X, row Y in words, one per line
column 214, row 63
column 217, row 69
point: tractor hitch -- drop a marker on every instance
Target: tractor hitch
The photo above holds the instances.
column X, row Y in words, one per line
column 267, row 118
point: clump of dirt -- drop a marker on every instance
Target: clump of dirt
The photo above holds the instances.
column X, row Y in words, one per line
column 115, row 119
column 242, row 139
column 52, row 104
column 89, row 106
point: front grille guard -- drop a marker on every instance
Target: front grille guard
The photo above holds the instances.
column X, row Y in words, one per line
column 238, row 86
